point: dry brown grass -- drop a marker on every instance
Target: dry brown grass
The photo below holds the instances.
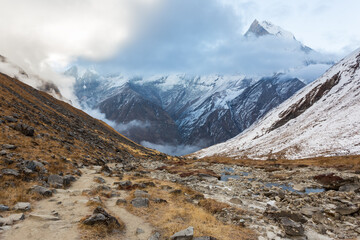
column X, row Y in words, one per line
column 178, row 213
column 18, row 192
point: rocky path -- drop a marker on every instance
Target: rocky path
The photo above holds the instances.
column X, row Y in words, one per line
column 58, row 217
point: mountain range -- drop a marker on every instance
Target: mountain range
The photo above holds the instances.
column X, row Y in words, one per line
column 192, row 111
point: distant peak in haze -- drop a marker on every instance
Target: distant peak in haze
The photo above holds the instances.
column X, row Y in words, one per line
column 259, row 29
column 263, row 28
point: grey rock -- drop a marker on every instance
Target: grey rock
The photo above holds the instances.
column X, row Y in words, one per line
column 3, row 152
column 96, row 199
column 9, row 146
column 10, row 172
column 351, row 187
column 10, row 119
column 155, row 236
column 321, row 218
column 139, row 231
column 25, row 129
column 186, row 234
column 70, row 178
column 140, row 202
column 159, row 200
column 347, row 210
column 124, row 185
column 4, row 208
column 236, row 201
column 121, row 201
column 99, row 180
column 13, row 218
column 42, row 190
column 35, row 166
column 100, row 216
column 95, row 218
column 291, row 227
column 22, row 206
column 140, row 193
column 56, row 181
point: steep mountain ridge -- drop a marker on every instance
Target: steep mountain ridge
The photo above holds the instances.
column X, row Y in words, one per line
column 184, row 109
column 322, row 119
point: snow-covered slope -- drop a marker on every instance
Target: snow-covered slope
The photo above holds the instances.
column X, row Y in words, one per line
column 323, row 119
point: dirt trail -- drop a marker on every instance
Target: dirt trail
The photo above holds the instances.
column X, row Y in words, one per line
column 71, row 206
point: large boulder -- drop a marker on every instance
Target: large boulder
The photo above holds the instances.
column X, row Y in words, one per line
column 140, row 202
column 42, row 191
column 291, row 227
column 4, row 208
column 56, row 181
column 25, row 129
column 10, row 172
column 22, row 206
column 35, row 166
column 10, row 220
column 186, row 234
column 101, row 217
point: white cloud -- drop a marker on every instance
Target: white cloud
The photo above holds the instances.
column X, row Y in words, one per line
column 40, row 35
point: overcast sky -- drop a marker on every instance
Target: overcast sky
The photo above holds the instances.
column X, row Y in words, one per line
column 200, row 36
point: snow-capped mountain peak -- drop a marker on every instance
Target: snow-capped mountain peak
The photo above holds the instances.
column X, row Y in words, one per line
column 276, row 30
column 263, row 28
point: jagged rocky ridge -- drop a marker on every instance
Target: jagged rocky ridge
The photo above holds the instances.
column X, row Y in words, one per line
column 321, row 120
column 183, row 109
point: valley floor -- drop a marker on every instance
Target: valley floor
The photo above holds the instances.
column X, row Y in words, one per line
column 155, row 199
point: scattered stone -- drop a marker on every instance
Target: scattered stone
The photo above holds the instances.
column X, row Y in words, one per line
column 347, row 210
column 299, row 188
column 42, row 190
column 10, row 119
column 140, row 202
column 186, row 234
column 176, row 192
column 22, row 206
column 139, row 231
column 69, row 178
column 159, row 200
column 141, row 194
column 321, row 218
column 10, row 220
column 121, row 201
column 155, row 236
column 235, row 201
column 99, row 180
column 351, row 187
column 3, row 152
column 35, row 166
column 124, row 185
column 100, row 216
column 10, row 172
column 96, row 200
column 4, row 208
column 25, row 129
column 292, row 228
column 56, row 181
column 9, row 146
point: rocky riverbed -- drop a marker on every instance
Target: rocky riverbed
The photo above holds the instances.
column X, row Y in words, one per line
column 280, row 202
